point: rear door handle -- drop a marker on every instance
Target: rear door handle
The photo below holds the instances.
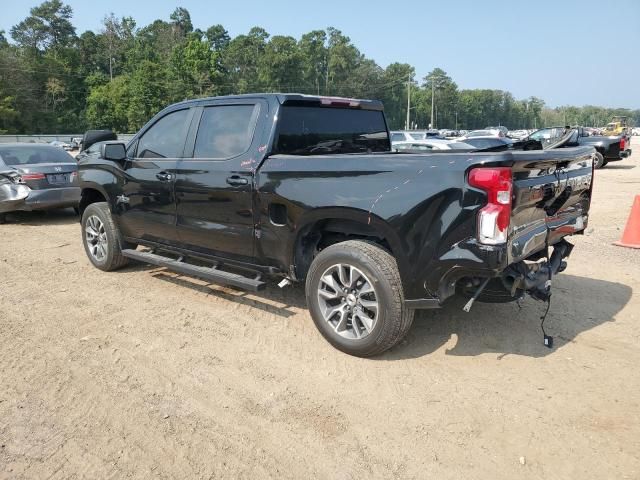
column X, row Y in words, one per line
column 164, row 176
column 237, row 180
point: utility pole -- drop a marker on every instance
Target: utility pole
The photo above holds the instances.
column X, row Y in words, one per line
column 456, row 121
column 433, row 94
column 406, row 125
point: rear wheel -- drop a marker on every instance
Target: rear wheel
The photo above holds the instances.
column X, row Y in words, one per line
column 101, row 239
column 599, row 161
column 355, row 297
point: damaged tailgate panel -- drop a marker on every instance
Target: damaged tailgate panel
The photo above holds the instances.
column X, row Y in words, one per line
column 551, row 196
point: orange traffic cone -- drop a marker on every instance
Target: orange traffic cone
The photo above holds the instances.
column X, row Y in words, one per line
column 631, row 236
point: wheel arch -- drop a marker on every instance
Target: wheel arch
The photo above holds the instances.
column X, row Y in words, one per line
column 327, row 226
column 91, row 193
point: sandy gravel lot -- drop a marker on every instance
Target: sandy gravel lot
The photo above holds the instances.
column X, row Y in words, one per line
column 145, row 374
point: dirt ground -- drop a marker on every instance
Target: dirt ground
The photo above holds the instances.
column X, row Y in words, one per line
column 142, row 373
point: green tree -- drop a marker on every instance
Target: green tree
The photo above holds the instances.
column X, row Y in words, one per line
column 241, row 59
column 393, row 92
column 314, row 55
column 48, row 26
column 280, row 67
column 148, row 94
column 444, row 92
column 108, row 104
column 181, row 21
column 342, row 59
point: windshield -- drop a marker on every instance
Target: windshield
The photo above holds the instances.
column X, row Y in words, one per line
column 321, row 130
column 26, row 155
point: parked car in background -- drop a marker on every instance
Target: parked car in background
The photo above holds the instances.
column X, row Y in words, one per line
column 399, row 136
column 608, row 148
column 484, row 142
column 449, row 133
column 92, row 152
column 432, row 145
column 518, row 134
column 481, row 133
column 36, row 177
column 500, row 131
column 76, row 143
column 64, row 145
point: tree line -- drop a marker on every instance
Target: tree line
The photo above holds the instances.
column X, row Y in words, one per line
column 54, row 80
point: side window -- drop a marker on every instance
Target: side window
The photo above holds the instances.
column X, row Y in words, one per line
column 225, row 131
column 165, row 139
column 131, row 150
column 397, row 137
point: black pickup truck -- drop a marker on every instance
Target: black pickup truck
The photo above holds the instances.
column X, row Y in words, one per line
column 608, row 148
column 240, row 189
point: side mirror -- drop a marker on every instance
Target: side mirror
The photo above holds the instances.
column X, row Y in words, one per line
column 114, row 151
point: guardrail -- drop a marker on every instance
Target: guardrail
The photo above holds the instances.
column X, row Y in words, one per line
column 63, row 137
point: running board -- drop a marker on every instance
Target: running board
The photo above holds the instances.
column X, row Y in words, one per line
column 212, row 274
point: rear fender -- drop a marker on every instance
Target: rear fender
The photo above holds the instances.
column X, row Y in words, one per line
column 370, row 223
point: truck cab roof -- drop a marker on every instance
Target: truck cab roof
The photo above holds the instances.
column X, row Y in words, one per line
column 296, row 98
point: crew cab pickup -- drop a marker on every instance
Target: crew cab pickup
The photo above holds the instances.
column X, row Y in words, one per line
column 242, row 189
column 608, row 148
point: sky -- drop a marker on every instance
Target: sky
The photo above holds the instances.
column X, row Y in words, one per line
column 567, row 52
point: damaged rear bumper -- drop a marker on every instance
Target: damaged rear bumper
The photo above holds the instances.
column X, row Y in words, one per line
column 530, row 276
column 17, row 196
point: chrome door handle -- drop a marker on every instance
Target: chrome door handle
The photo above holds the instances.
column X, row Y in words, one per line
column 237, row 180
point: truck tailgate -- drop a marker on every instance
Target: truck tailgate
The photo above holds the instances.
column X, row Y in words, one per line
column 551, row 196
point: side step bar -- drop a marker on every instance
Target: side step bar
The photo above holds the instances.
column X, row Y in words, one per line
column 212, row 274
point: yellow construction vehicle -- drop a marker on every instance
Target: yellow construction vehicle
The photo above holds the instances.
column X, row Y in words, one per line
column 617, row 126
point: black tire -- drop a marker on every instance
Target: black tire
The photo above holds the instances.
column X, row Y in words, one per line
column 3, row 218
column 113, row 259
column 599, row 161
column 76, row 210
column 393, row 318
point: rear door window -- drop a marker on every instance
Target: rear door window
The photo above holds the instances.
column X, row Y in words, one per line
column 226, row 131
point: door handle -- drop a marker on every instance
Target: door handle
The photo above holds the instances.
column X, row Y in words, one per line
column 237, row 180
column 164, row 176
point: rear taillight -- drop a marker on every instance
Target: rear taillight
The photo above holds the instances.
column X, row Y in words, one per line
column 32, row 176
column 623, row 144
column 493, row 218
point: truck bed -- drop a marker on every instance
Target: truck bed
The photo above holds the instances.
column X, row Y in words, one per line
column 423, row 206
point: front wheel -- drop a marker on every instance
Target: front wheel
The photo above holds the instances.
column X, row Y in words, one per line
column 100, row 238
column 356, row 300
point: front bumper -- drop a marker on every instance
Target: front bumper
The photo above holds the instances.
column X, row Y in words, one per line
column 14, row 197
